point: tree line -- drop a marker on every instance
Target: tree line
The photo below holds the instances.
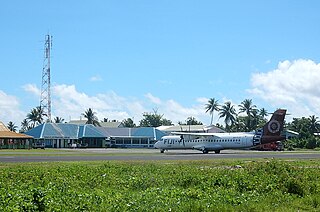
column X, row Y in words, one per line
column 248, row 118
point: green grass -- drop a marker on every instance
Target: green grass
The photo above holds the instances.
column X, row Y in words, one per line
column 208, row 185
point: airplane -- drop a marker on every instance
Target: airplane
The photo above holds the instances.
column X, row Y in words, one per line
column 216, row 142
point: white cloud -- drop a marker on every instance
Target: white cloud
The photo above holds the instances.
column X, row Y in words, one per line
column 293, row 85
column 202, row 100
column 153, row 99
column 96, row 78
column 68, row 103
column 32, row 88
column 176, row 112
column 9, row 109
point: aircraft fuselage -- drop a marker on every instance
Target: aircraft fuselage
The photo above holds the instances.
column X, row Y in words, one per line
column 211, row 143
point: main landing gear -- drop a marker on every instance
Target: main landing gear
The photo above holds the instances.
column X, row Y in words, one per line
column 205, row 151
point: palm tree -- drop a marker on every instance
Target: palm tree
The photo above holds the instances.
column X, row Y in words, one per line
column 36, row 116
column 212, row 106
column 25, row 126
column 263, row 113
column 314, row 124
column 91, row 117
column 58, row 120
column 247, row 107
column 229, row 113
column 12, row 127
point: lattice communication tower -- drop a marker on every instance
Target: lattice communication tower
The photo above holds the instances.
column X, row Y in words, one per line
column 45, row 99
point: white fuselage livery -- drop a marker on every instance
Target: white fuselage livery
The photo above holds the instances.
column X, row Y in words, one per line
column 206, row 142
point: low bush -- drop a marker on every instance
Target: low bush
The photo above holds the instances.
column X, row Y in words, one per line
column 157, row 186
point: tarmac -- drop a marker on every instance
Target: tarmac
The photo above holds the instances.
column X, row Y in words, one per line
column 146, row 155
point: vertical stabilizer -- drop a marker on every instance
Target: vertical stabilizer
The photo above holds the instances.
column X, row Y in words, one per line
column 272, row 130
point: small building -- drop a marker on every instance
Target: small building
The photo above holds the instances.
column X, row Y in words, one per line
column 141, row 137
column 13, row 140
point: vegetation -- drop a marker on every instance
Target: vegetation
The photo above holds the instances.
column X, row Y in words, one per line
column 25, row 126
column 306, row 127
column 91, row 117
column 190, row 121
column 35, row 116
column 154, row 120
column 12, row 127
column 128, row 123
column 154, row 186
column 58, row 120
column 212, row 106
column 250, row 110
column 229, row 113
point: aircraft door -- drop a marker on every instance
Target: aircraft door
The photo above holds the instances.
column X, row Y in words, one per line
column 181, row 141
column 244, row 141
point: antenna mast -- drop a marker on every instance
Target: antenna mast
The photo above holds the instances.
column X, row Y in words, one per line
column 45, row 101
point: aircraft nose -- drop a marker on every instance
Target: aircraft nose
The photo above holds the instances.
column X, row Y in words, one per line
column 156, row 145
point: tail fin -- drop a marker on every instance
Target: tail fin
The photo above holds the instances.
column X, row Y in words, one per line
column 272, row 130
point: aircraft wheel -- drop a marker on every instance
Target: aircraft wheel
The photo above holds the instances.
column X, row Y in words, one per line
column 161, row 150
column 217, row 151
column 205, row 151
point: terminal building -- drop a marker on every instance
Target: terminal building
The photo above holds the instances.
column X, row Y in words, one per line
column 64, row 135
column 61, row 135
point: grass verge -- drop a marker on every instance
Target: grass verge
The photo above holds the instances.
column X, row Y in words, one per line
column 209, row 185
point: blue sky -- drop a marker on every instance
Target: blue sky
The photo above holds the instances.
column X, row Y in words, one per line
column 123, row 58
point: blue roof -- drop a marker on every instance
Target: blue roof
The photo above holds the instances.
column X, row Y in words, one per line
column 147, row 132
column 64, row 131
column 73, row 131
column 52, row 130
column 35, row 132
column 90, row 131
column 141, row 132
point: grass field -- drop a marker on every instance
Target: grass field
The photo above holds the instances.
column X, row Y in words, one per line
column 209, row 185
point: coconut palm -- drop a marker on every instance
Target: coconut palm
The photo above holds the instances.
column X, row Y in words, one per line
column 35, row 116
column 314, row 124
column 263, row 113
column 25, row 126
column 247, row 107
column 12, row 127
column 212, row 106
column 229, row 113
column 58, row 120
column 91, row 117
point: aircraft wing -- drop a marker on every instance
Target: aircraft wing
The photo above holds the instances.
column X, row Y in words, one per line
column 195, row 134
column 212, row 134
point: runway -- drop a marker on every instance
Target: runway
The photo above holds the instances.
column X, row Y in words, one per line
column 145, row 155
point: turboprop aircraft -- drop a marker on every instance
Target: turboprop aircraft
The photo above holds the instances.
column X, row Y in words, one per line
column 216, row 142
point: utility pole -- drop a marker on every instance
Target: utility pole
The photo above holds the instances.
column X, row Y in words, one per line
column 45, row 99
